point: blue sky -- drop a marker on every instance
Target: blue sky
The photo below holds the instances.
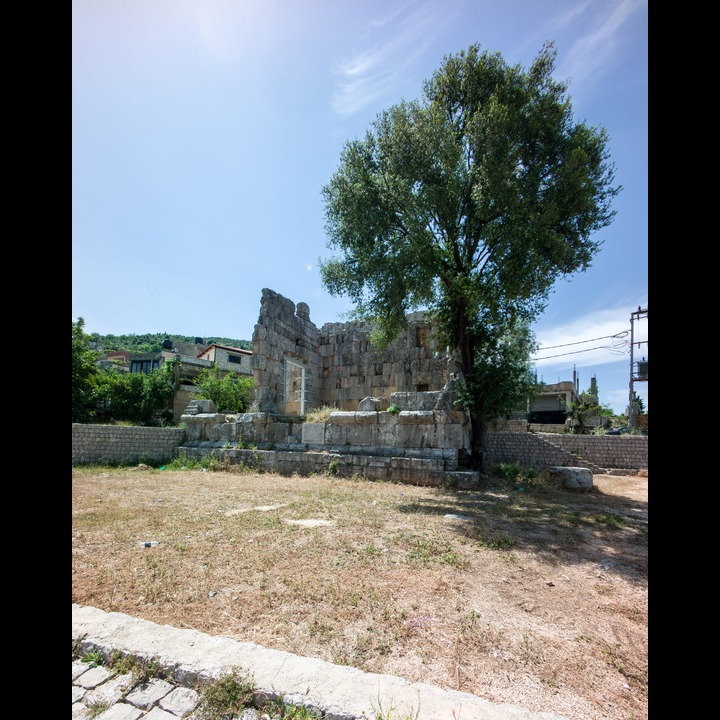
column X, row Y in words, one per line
column 204, row 130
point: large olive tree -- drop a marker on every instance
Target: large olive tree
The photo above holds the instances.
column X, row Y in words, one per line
column 470, row 203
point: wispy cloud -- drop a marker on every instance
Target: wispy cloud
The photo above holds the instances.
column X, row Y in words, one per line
column 596, row 339
column 397, row 41
column 590, row 54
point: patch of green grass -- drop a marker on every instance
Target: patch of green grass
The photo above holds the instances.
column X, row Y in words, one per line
column 207, row 462
column 97, row 708
column 611, row 520
column 225, row 697
column 94, row 656
column 507, row 471
column 76, row 643
column 372, row 551
column 279, row 710
column 491, row 539
column 141, row 669
column 429, row 550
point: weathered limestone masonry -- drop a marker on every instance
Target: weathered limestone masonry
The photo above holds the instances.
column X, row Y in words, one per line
column 352, row 369
column 297, row 368
column 123, row 444
column 109, row 443
column 422, row 443
column 285, row 357
column 596, row 452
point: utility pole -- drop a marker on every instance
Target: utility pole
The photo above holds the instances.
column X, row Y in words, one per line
column 641, row 373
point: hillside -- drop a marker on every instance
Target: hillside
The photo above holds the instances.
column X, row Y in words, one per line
column 152, row 342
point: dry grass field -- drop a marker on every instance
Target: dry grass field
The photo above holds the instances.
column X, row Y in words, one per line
column 518, row 592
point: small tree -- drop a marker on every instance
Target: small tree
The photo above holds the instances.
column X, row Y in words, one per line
column 231, row 393
column 583, row 408
column 637, row 400
column 84, row 374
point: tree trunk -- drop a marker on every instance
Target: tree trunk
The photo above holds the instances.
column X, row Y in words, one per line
column 478, row 429
column 467, row 362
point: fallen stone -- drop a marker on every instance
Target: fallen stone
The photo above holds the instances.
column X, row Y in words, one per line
column 578, row 479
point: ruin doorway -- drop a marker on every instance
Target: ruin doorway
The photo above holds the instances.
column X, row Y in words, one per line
column 294, row 388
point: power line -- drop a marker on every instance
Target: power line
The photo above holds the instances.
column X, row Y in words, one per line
column 576, row 352
column 618, row 349
column 580, row 342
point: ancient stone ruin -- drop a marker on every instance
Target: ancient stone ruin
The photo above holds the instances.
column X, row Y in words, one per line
column 397, row 418
column 297, row 367
column 396, row 409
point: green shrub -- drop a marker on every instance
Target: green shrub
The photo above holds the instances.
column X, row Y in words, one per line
column 507, row 471
column 230, row 393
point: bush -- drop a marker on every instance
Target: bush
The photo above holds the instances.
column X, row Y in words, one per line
column 135, row 398
column 230, row 393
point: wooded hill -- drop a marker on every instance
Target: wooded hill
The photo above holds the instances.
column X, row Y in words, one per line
column 152, row 342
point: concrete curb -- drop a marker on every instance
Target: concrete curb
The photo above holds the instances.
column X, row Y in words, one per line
column 339, row 691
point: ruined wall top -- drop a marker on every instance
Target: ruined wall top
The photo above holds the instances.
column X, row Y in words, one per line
column 273, row 306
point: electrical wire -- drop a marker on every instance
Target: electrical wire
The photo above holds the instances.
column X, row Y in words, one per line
column 620, row 337
column 580, row 342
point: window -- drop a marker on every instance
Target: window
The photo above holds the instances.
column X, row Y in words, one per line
column 235, row 359
column 144, row 366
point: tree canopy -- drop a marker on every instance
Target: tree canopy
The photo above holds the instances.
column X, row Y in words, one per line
column 84, row 373
column 470, row 203
column 153, row 342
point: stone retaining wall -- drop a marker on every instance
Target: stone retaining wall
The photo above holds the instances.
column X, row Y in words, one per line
column 540, row 450
column 123, row 444
column 350, row 462
column 610, row 451
column 553, row 428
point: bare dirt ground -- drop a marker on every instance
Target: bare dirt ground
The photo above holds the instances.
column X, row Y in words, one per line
column 519, row 592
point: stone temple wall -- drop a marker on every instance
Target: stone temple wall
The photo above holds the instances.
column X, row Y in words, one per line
column 285, row 347
column 339, row 363
column 352, row 369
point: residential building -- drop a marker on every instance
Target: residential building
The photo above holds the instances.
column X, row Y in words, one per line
column 228, row 359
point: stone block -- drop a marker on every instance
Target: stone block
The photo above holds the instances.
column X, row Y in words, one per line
column 358, row 435
column 277, row 432
column 416, row 417
column 368, row 404
column 579, row 479
column 416, row 436
column 463, row 480
column 342, row 418
column 313, row 433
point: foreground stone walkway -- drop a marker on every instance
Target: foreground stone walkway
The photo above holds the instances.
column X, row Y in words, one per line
column 190, row 658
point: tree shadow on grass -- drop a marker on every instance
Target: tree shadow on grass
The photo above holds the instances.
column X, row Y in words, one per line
column 555, row 524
